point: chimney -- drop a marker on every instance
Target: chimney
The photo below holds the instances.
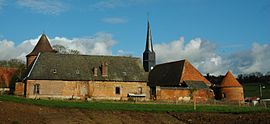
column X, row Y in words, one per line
column 95, row 71
column 104, row 69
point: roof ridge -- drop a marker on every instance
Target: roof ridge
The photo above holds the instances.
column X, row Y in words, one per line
column 92, row 55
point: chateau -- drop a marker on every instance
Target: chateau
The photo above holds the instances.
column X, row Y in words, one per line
column 64, row 76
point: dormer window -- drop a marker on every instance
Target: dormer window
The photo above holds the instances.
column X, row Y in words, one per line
column 95, row 71
column 54, row 71
column 77, row 71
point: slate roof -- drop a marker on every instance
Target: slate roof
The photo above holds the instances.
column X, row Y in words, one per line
column 230, row 81
column 52, row 66
column 43, row 45
column 6, row 75
column 196, row 85
column 175, row 73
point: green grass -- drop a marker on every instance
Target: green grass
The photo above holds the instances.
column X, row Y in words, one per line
column 128, row 106
column 253, row 90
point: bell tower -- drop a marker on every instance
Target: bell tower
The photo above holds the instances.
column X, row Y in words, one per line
column 149, row 56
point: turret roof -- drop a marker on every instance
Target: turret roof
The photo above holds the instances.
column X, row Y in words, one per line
column 229, row 81
column 43, row 45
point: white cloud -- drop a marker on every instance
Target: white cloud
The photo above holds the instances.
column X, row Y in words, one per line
column 256, row 59
column 200, row 53
column 114, row 20
column 99, row 44
column 204, row 56
column 53, row 7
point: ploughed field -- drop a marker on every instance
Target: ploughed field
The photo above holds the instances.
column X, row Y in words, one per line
column 27, row 113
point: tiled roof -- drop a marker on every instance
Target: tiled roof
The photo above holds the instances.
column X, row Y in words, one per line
column 43, row 45
column 52, row 66
column 6, row 75
column 229, row 81
column 174, row 73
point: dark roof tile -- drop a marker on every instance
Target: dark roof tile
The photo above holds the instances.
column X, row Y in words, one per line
column 51, row 66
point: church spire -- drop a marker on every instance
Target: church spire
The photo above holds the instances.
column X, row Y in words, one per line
column 149, row 46
column 149, row 57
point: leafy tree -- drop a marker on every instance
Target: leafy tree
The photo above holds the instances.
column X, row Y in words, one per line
column 63, row 50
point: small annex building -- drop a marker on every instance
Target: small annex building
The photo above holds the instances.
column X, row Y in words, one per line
column 231, row 89
column 178, row 81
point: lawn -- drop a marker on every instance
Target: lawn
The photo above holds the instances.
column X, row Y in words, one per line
column 130, row 106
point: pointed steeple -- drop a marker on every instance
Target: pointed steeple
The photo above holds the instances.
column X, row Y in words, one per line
column 149, row 45
column 149, row 56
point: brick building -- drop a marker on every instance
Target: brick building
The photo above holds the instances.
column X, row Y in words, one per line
column 65, row 76
column 6, row 75
column 231, row 89
column 178, row 81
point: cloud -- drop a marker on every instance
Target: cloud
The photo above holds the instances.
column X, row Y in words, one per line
column 204, row 56
column 114, row 20
column 200, row 53
column 256, row 59
column 52, row 7
column 99, row 44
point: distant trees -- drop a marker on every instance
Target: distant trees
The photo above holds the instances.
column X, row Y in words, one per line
column 63, row 50
column 12, row 63
column 254, row 77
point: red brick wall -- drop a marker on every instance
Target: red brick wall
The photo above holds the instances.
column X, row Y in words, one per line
column 233, row 94
column 182, row 94
column 19, row 89
column 30, row 60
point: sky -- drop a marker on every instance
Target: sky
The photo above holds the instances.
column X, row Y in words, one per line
column 214, row 35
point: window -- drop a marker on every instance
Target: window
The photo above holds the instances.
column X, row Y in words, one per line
column 36, row 88
column 223, row 95
column 117, row 90
column 140, row 90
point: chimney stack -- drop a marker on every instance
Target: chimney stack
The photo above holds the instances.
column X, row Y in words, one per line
column 104, row 69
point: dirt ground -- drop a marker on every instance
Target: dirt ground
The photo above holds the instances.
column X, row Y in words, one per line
column 17, row 113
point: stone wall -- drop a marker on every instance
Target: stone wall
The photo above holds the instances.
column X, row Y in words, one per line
column 84, row 89
column 107, row 90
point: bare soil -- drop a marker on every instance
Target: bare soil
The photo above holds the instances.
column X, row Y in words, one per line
column 17, row 113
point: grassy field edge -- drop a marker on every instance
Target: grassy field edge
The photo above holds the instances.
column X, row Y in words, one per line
column 130, row 106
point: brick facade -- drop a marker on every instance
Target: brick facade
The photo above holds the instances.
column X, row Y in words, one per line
column 30, row 60
column 19, row 89
column 233, row 94
column 84, row 89
column 182, row 94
